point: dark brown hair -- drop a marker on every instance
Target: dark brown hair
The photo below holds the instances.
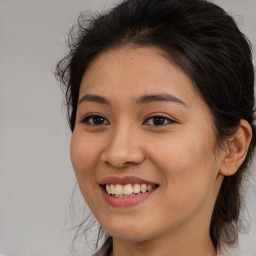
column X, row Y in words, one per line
column 205, row 42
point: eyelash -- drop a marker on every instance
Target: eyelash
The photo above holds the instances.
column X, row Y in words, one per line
column 86, row 120
column 159, row 117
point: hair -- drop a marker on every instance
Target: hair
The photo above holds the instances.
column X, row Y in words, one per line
column 206, row 43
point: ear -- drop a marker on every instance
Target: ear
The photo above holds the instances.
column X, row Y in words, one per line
column 236, row 148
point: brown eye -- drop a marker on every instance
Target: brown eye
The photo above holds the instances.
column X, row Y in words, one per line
column 158, row 120
column 95, row 120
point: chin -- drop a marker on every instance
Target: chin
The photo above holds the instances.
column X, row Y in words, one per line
column 134, row 238
column 131, row 233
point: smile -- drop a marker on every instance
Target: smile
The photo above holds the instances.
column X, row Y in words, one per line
column 127, row 190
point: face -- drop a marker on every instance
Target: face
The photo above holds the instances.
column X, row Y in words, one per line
column 140, row 121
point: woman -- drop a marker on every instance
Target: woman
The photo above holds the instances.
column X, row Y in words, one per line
column 160, row 102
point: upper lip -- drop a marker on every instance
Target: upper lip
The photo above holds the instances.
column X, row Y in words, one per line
column 125, row 180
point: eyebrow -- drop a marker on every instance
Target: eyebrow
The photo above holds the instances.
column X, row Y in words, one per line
column 141, row 100
column 94, row 98
column 159, row 97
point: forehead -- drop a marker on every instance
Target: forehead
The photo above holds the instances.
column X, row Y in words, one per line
column 135, row 70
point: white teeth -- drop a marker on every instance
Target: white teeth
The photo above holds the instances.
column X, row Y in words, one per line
column 108, row 189
column 112, row 189
column 136, row 189
column 128, row 190
column 119, row 190
column 143, row 188
column 149, row 188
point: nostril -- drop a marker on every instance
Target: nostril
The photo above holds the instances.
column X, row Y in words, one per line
column 118, row 163
column 122, row 153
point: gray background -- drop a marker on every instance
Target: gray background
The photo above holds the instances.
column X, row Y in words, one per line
column 36, row 177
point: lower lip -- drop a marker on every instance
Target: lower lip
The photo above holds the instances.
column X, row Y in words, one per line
column 126, row 201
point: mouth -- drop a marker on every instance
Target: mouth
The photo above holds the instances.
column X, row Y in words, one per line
column 128, row 190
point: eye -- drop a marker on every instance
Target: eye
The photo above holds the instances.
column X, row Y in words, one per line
column 94, row 120
column 158, row 120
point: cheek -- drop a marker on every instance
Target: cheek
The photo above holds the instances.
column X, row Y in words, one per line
column 84, row 157
column 181, row 152
column 188, row 167
column 85, row 152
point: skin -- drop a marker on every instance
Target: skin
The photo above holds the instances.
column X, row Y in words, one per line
column 181, row 155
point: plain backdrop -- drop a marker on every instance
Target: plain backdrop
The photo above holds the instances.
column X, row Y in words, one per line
column 36, row 176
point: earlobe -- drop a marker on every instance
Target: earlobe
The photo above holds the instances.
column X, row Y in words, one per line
column 236, row 149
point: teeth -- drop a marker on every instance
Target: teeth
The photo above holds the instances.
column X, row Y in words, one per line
column 136, row 188
column 112, row 189
column 143, row 188
column 108, row 189
column 119, row 190
column 149, row 188
column 128, row 190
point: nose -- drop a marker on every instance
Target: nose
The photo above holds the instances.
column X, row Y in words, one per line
column 124, row 148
